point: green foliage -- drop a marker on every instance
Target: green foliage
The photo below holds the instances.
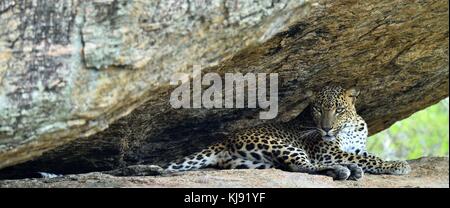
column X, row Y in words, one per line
column 424, row 133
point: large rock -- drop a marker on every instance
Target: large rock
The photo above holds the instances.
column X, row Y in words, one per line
column 426, row 173
column 70, row 69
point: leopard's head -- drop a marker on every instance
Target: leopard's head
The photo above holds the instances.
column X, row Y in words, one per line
column 332, row 108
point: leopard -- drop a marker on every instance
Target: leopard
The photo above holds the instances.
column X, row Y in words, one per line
column 350, row 128
column 334, row 146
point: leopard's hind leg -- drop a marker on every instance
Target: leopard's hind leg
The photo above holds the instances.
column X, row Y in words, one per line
column 296, row 160
column 243, row 163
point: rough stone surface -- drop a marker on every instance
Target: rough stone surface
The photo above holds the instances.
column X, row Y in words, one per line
column 426, row 173
column 69, row 69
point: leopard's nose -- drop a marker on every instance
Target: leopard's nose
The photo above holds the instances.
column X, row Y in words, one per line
column 326, row 129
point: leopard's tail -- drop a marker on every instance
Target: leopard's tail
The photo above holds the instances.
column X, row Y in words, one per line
column 214, row 155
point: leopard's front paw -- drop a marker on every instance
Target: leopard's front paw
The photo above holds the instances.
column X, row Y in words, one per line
column 356, row 172
column 399, row 168
column 339, row 172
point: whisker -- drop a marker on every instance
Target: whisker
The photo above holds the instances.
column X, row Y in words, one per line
column 308, row 133
column 308, row 127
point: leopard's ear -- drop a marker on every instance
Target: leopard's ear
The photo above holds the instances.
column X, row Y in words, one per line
column 352, row 93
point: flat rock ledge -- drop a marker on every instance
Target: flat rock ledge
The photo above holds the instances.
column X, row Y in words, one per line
column 426, row 172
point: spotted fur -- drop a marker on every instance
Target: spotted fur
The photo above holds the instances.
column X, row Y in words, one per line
column 338, row 151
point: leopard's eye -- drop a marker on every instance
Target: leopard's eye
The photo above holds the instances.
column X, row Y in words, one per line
column 339, row 110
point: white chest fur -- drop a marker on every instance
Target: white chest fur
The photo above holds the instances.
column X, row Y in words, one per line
column 353, row 137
